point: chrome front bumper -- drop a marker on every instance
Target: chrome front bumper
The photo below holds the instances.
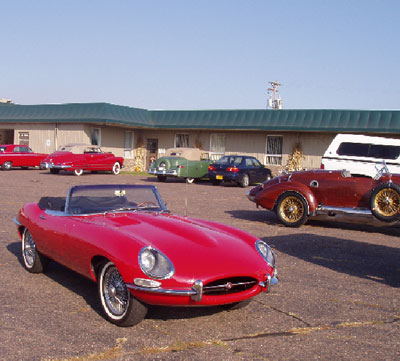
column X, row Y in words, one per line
column 197, row 290
column 169, row 172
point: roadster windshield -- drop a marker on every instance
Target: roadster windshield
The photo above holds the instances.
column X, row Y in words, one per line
column 113, row 198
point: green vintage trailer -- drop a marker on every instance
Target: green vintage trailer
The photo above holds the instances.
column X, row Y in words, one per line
column 187, row 163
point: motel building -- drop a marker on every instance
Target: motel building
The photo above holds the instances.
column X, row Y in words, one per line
column 274, row 137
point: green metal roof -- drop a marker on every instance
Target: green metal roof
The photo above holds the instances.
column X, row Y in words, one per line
column 322, row 120
column 74, row 113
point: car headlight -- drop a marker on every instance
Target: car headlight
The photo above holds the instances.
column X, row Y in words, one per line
column 155, row 264
column 266, row 252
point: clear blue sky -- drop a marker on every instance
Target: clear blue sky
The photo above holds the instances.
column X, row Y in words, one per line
column 210, row 54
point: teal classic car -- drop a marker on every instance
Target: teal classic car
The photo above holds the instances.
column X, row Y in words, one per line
column 187, row 163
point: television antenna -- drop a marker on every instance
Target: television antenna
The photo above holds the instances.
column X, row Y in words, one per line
column 274, row 101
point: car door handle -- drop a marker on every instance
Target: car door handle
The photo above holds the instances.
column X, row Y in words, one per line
column 42, row 216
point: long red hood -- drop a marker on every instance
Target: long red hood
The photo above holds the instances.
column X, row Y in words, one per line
column 199, row 249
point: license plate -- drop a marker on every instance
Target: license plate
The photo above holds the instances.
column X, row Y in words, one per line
column 219, row 177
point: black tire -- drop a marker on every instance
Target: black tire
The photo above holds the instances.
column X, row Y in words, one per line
column 6, row 165
column 237, row 305
column 117, row 303
column 161, row 178
column 78, row 172
column 116, row 168
column 245, row 182
column 34, row 261
column 54, row 171
column 291, row 209
column 385, row 202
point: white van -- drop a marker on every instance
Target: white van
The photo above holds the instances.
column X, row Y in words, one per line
column 362, row 154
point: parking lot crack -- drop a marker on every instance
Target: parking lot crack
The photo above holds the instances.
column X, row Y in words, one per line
column 313, row 329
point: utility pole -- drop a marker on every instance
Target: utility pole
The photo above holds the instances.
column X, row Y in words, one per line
column 274, row 101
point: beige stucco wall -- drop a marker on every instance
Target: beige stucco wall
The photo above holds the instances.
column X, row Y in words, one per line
column 45, row 138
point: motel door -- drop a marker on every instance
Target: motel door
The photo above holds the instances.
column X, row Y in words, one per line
column 151, row 151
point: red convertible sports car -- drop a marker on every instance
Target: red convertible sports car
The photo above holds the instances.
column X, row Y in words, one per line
column 14, row 155
column 297, row 196
column 124, row 238
column 82, row 157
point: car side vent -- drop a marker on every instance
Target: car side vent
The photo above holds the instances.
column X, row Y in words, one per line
column 229, row 285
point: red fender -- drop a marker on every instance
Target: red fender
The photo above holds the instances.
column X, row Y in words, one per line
column 268, row 197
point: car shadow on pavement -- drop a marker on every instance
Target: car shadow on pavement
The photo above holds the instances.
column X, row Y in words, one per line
column 365, row 260
column 87, row 289
column 254, row 215
column 270, row 218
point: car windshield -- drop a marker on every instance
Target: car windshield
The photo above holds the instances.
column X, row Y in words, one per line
column 113, row 198
column 230, row 160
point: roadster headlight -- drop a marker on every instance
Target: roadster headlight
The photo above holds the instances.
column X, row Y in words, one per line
column 266, row 252
column 155, row 264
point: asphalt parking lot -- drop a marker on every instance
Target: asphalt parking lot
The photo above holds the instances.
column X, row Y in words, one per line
column 338, row 295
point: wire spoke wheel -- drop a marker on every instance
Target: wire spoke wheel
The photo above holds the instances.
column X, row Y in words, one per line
column 34, row 261
column 387, row 202
column 116, row 294
column 119, row 306
column 29, row 249
column 291, row 209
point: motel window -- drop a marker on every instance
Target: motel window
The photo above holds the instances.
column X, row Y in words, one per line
column 95, row 136
column 273, row 151
column 23, row 138
column 181, row 140
column 217, row 146
column 128, row 145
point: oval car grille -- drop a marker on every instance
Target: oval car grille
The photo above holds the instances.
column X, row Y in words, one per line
column 229, row 285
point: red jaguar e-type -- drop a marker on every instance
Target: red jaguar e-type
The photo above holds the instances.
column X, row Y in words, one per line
column 124, row 238
column 82, row 157
column 297, row 196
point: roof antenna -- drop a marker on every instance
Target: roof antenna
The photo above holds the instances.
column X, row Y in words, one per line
column 274, row 101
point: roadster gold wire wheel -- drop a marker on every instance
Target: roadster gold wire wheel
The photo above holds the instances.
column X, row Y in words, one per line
column 291, row 209
column 385, row 202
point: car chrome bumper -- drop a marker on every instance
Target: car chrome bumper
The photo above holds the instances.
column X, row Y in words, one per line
column 54, row 166
column 171, row 172
column 196, row 292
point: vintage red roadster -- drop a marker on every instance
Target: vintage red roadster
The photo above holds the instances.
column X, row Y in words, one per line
column 82, row 157
column 297, row 196
column 17, row 155
column 124, row 238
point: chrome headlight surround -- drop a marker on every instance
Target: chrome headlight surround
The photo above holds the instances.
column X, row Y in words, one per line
column 155, row 264
column 266, row 252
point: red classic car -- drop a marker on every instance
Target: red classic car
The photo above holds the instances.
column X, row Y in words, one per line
column 82, row 157
column 14, row 155
column 297, row 196
column 124, row 238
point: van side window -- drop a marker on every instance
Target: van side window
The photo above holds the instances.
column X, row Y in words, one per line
column 369, row 150
column 384, row 151
column 353, row 149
